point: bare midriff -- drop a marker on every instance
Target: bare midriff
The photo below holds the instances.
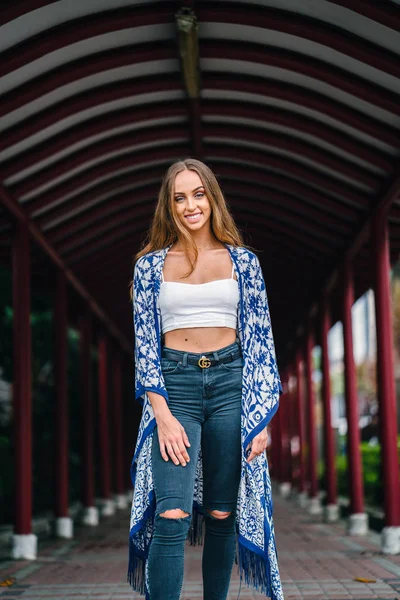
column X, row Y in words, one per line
column 199, row 339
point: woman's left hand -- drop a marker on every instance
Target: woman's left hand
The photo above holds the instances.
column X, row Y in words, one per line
column 258, row 444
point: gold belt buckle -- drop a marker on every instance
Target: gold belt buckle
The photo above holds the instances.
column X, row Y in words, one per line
column 204, row 362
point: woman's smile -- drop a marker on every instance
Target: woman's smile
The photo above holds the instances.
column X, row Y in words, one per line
column 194, row 217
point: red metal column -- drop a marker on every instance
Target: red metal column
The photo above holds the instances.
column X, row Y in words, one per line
column 292, row 427
column 271, row 449
column 118, row 430
column 353, row 432
column 130, row 427
column 63, row 523
column 88, row 492
column 22, row 384
column 277, row 442
column 312, row 439
column 108, row 505
column 286, row 467
column 330, row 471
column 301, row 483
column 386, row 381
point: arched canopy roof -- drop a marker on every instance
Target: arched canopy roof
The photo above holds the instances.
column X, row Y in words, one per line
column 298, row 113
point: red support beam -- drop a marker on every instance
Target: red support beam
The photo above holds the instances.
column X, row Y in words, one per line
column 63, row 522
column 329, row 450
column 105, row 125
column 118, row 429
column 72, row 31
column 268, row 141
column 90, row 516
column 22, row 393
column 300, row 402
column 311, row 425
column 104, row 435
column 256, row 114
column 292, row 427
column 290, row 165
column 303, row 26
column 277, row 444
column 353, row 433
column 284, row 446
column 86, row 66
column 300, row 96
column 386, row 381
column 301, row 64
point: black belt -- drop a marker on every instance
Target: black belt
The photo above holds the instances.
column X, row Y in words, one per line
column 204, row 361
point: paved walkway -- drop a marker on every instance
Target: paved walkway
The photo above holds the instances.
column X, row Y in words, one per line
column 317, row 561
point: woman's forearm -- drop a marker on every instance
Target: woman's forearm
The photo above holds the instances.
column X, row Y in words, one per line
column 158, row 403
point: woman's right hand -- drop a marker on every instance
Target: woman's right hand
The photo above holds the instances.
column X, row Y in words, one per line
column 172, row 438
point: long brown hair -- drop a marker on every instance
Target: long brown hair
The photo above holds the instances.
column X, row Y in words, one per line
column 166, row 228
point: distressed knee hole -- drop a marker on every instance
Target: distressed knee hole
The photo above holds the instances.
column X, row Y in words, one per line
column 219, row 514
column 175, row 513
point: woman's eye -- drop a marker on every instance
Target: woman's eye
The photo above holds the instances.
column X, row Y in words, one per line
column 179, row 198
column 199, row 194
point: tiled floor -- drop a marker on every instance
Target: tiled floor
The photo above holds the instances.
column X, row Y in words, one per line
column 317, row 561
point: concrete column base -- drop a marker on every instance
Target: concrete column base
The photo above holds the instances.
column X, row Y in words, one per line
column 390, row 540
column 302, row 499
column 314, row 506
column 358, row 524
column 107, row 507
column 121, row 501
column 285, row 489
column 331, row 513
column 64, row 528
column 24, row 546
column 90, row 516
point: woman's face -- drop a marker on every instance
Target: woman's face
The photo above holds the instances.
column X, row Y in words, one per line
column 192, row 206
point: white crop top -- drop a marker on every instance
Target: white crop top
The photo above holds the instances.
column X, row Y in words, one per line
column 211, row 304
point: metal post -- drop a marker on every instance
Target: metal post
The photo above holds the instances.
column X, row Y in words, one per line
column 300, row 406
column 24, row 542
column 390, row 535
column 120, row 498
column 91, row 513
column 284, row 442
column 331, row 507
column 314, row 506
column 108, row 505
column 358, row 520
column 64, row 524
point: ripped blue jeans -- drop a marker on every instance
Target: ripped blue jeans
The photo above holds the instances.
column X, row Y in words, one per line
column 207, row 402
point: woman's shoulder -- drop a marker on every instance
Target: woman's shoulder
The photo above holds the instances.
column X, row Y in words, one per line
column 245, row 254
column 150, row 259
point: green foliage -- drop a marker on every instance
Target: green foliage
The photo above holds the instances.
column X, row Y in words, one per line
column 372, row 473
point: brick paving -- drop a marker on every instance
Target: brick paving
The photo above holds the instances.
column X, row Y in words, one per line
column 317, row 561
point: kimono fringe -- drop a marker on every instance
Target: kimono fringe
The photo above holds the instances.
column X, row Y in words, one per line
column 196, row 531
column 255, row 570
column 136, row 569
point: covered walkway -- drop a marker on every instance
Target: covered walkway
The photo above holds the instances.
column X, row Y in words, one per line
column 296, row 106
column 317, row 561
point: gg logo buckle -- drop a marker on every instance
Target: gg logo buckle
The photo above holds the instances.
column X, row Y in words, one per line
column 204, row 362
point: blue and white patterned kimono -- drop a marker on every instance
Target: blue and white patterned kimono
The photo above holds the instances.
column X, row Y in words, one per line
column 261, row 388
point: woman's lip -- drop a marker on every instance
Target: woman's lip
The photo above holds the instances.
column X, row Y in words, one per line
column 194, row 214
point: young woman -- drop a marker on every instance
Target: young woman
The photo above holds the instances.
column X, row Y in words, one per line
column 206, row 375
